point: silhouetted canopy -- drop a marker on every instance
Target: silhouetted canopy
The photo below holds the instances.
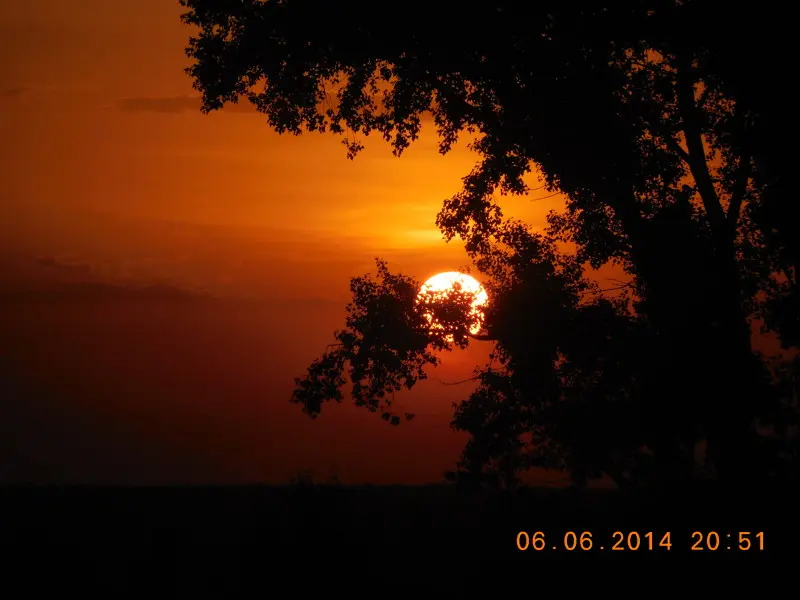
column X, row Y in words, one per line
column 658, row 120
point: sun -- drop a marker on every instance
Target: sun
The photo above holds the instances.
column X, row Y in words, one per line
column 442, row 283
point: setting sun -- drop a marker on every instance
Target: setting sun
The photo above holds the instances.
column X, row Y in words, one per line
column 443, row 283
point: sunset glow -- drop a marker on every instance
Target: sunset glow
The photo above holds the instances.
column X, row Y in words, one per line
column 444, row 283
column 134, row 188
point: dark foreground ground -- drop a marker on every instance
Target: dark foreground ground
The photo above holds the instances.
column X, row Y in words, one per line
column 196, row 538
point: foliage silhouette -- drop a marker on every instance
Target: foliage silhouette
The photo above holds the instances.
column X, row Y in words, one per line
column 641, row 114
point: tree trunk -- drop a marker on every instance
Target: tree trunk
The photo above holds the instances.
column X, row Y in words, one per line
column 731, row 418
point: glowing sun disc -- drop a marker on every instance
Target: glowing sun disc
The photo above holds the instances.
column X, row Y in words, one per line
column 444, row 282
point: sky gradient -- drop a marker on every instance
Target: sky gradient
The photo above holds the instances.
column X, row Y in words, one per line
column 115, row 179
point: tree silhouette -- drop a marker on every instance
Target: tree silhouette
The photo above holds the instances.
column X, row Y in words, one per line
column 640, row 113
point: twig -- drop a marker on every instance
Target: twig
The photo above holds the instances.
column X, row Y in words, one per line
column 611, row 289
column 619, row 281
column 477, row 377
column 546, row 197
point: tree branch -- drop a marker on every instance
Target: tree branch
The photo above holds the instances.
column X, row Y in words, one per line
column 740, row 184
column 482, row 337
column 675, row 146
column 610, row 289
column 652, row 112
column 739, row 189
column 693, row 133
column 476, row 378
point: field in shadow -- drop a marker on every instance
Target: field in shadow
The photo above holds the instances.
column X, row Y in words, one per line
column 191, row 537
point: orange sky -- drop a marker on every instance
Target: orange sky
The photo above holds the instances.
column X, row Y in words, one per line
column 111, row 170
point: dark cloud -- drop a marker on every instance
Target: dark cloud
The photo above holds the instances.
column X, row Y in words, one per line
column 15, row 93
column 19, row 95
column 25, row 278
column 54, row 281
column 90, row 291
column 51, row 262
column 175, row 104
